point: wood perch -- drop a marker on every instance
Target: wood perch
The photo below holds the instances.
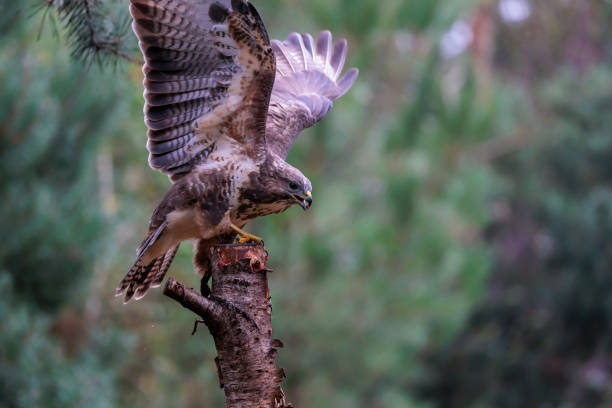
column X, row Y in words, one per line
column 238, row 315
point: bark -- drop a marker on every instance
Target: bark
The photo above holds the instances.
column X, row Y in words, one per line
column 238, row 315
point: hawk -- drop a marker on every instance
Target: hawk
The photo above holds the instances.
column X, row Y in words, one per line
column 223, row 105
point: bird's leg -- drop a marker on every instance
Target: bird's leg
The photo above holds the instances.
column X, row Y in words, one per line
column 204, row 289
column 245, row 236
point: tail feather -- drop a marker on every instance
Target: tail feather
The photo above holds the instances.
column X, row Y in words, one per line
column 141, row 277
column 150, row 239
column 164, row 267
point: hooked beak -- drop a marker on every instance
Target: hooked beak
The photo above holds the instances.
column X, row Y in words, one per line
column 304, row 202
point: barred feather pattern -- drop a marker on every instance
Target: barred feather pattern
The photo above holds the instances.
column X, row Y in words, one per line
column 307, row 82
column 192, row 68
column 140, row 278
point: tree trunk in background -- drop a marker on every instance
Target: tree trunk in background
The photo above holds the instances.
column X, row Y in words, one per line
column 238, row 316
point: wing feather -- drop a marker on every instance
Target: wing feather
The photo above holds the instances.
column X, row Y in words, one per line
column 206, row 62
column 306, row 85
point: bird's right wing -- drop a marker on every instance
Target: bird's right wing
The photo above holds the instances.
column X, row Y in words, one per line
column 307, row 81
column 209, row 72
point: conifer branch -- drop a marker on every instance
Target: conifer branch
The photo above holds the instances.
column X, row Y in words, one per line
column 96, row 30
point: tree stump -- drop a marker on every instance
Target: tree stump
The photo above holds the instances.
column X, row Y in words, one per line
column 238, row 315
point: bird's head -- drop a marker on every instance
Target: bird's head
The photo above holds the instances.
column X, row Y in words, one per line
column 288, row 185
column 275, row 187
column 298, row 189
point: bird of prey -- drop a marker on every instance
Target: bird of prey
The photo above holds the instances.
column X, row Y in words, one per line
column 223, row 105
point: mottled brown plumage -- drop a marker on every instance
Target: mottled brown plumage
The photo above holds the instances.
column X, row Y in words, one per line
column 223, row 106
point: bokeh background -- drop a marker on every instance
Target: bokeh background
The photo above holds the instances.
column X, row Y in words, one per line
column 458, row 254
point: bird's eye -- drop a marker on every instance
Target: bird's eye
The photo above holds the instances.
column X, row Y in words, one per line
column 293, row 185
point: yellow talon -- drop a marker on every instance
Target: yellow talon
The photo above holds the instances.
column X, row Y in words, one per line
column 249, row 238
column 245, row 236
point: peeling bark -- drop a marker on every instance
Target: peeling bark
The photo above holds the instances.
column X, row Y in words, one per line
column 238, row 315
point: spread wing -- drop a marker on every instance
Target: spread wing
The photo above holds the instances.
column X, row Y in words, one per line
column 209, row 72
column 307, row 81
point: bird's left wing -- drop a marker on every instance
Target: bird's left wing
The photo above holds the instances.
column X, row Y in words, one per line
column 307, row 81
column 209, row 72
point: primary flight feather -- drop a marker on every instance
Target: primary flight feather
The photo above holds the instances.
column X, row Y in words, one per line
column 223, row 105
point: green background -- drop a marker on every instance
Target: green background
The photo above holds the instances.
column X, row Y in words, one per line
column 458, row 252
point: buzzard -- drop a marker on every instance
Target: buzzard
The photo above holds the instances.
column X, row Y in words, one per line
column 223, row 105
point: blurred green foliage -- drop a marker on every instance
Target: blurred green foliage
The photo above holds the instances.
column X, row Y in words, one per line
column 542, row 333
column 456, row 254
column 54, row 118
column 37, row 371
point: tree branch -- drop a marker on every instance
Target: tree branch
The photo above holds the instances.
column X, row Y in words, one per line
column 208, row 309
column 95, row 28
column 238, row 316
